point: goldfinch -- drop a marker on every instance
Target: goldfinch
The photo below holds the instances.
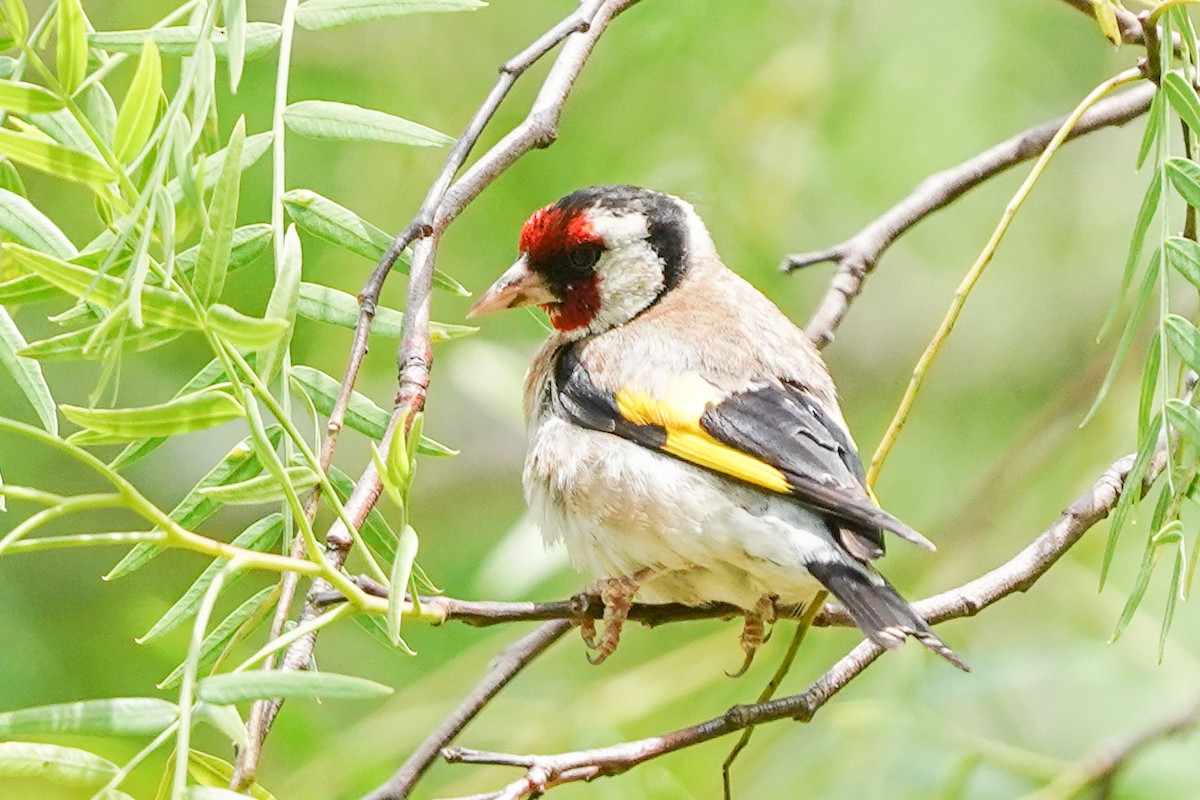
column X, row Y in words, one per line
column 684, row 437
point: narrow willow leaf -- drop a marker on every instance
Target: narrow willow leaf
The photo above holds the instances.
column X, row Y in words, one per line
column 1183, row 99
column 184, row 187
column 406, row 554
column 235, row 27
column 1106, row 18
column 211, row 373
column 1184, row 339
column 1184, row 257
column 322, row 119
column 27, row 98
column 376, row 627
column 375, row 530
column 211, row 793
column 243, row 332
column 204, row 70
column 240, row 463
column 260, row 39
column 320, row 14
column 164, row 214
column 1169, row 534
column 140, row 108
column 10, row 179
column 361, row 414
column 226, row 720
column 1146, row 212
column 241, row 622
column 212, row 263
column 249, row 242
column 193, row 412
column 1185, row 420
column 334, row 307
column 21, row 221
column 74, row 346
column 1149, row 387
column 121, row 716
column 17, row 18
column 64, row 766
column 64, row 128
column 1131, row 492
column 214, row 165
column 211, row 771
column 27, row 289
column 282, row 303
column 1131, row 329
column 1173, row 592
column 262, row 488
column 40, row 154
column 26, row 373
column 159, row 306
column 1185, row 177
column 239, row 687
column 97, row 105
column 72, row 45
column 260, row 537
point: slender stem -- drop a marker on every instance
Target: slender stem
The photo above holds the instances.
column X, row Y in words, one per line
column 977, row 269
column 105, row 791
column 298, row 632
column 87, row 540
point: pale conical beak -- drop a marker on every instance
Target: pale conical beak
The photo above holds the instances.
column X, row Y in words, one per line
column 515, row 288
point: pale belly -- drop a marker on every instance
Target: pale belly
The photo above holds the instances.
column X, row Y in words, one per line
column 622, row 509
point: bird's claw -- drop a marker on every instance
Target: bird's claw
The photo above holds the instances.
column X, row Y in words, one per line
column 617, row 596
column 755, row 631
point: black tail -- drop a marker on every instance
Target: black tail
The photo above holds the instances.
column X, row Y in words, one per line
column 879, row 610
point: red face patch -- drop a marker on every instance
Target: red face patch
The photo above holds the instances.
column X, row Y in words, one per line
column 548, row 240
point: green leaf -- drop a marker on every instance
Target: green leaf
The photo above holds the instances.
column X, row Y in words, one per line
column 361, row 414
column 97, row 105
column 26, row 373
column 217, row 240
column 10, row 179
column 249, row 242
column 204, row 86
column 211, row 793
column 1184, row 256
column 262, row 488
column 1184, row 338
column 334, row 307
column 27, row 289
column 1149, row 386
column 25, row 224
column 244, row 618
column 1131, row 329
column 375, row 530
column 260, row 537
column 1185, row 177
column 282, row 304
column 75, row 345
column 235, row 26
column 46, row 156
column 1185, row 420
column 239, row 687
column 406, row 554
column 27, row 98
column 72, row 45
column 1146, row 212
column 64, row 128
column 17, row 18
column 1131, row 492
column 64, row 766
column 214, row 165
column 322, row 119
column 260, row 39
column 1183, row 99
column 1168, row 535
column 240, row 463
column 159, row 306
column 136, row 118
column 1106, row 18
column 121, row 716
column 211, row 373
column 210, row 771
column 243, row 332
column 226, row 720
column 1174, row 590
column 193, row 412
column 321, row 14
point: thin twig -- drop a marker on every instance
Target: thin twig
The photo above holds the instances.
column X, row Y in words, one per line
column 503, row 669
column 1017, row 575
column 857, row 256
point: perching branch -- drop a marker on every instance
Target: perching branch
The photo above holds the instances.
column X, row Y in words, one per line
column 857, row 256
column 445, row 200
column 543, row 772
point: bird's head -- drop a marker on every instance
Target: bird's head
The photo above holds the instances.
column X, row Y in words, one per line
column 599, row 257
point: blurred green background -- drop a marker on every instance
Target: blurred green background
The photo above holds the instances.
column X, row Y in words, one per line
column 789, row 125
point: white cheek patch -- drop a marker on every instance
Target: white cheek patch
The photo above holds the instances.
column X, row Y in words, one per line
column 630, row 272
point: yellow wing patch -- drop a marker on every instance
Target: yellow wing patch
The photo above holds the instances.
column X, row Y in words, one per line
column 678, row 412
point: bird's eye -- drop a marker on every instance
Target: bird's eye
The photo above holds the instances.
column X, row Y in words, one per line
column 585, row 256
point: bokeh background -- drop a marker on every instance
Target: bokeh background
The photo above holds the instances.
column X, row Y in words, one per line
column 789, row 125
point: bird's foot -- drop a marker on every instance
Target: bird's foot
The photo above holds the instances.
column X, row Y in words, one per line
column 755, row 631
column 617, row 596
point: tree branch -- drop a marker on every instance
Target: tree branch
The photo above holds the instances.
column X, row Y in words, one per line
column 543, row 772
column 857, row 256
